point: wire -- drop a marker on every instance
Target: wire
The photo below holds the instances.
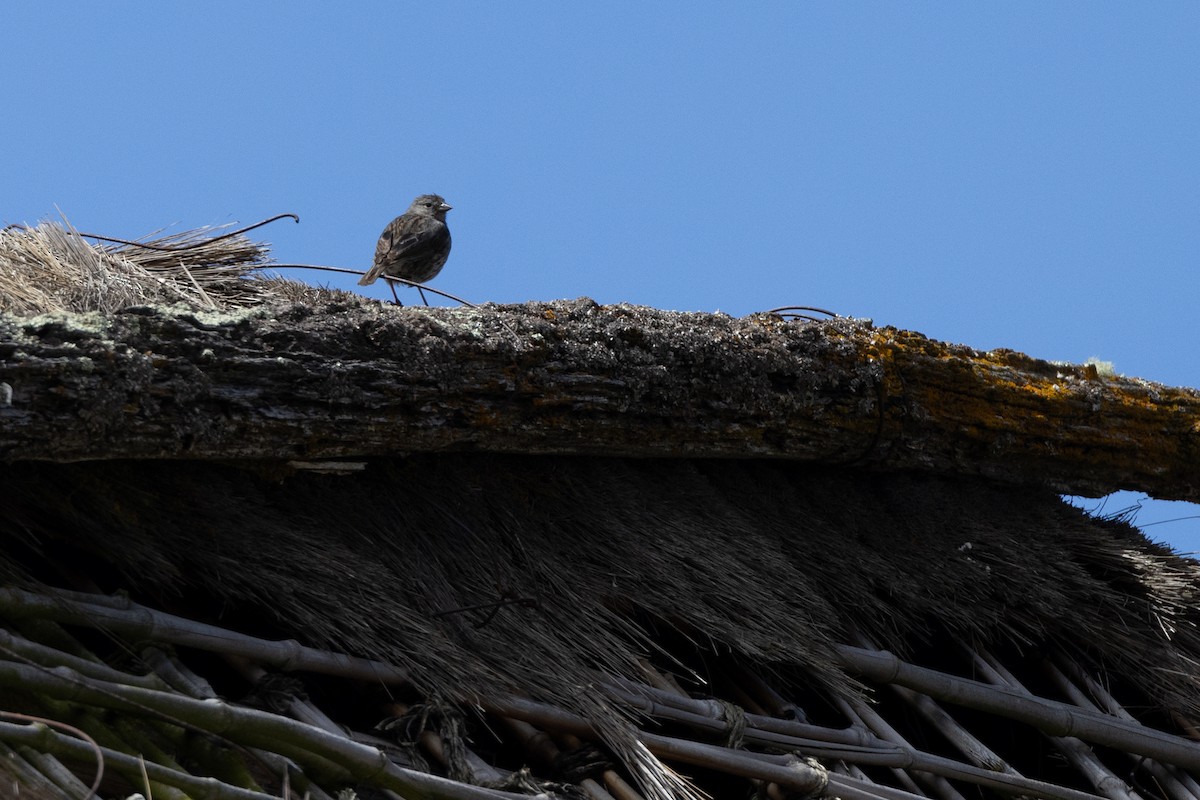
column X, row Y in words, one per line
column 194, row 245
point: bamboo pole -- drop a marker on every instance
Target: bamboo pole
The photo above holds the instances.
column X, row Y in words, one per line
column 848, row 788
column 22, row 648
column 44, row 740
column 245, row 726
column 43, row 758
column 180, row 678
column 613, row 782
column 860, row 715
column 124, row 617
column 963, row 740
column 1049, row 716
column 1165, row 778
column 552, row 718
column 763, row 731
column 454, row 758
column 35, row 784
column 1076, row 750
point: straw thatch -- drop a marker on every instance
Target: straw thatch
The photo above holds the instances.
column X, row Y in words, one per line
column 775, row 561
column 51, row 268
column 519, row 606
column 484, row 577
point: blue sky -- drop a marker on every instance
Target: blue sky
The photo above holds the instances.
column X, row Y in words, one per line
column 1017, row 174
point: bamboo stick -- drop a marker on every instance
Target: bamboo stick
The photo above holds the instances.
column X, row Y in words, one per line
column 708, row 715
column 1050, row 716
column 963, row 740
column 789, row 771
column 594, row 790
column 657, row 679
column 1110, row 705
column 786, row 770
column 773, row 703
column 850, row 770
column 556, row 719
column 127, row 618
column 162, row 665
column 847, row 788
column 52, row 657
column 175, row 675
column 25, row 777
column 1167, row 781
column 477, row 771
column 44, row 760
column 621, row 788
column 853, row 745
column 45, row 740
column 860, row 714
column 612, row 780
column 297, row 708
column 765, row 731
column 1076, row 751
column 246, row 726
column 178, row 676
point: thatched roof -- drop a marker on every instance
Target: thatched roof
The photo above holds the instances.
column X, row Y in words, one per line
column 560, row 547
column 330, row 375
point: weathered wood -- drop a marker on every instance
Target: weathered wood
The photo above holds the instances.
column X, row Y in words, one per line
column 358, row 379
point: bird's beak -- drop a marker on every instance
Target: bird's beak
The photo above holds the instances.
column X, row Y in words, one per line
column 445, row 207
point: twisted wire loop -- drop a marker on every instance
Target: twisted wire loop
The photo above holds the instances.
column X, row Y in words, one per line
column 798, row 312
column 71, row 729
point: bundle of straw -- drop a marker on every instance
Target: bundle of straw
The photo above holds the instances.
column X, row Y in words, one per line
column 52, row 267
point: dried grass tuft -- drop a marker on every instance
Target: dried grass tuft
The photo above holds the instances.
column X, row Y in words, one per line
column 300, row 292
column 51, row 267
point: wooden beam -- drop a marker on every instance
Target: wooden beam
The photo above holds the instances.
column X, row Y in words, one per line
column 352, row 380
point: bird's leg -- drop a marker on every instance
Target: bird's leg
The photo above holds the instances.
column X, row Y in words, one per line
column 422, row 291
column 392, row 286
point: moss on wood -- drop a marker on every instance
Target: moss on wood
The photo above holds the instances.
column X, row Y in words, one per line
column 355, row 379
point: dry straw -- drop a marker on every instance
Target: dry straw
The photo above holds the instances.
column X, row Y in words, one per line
column 51, row 267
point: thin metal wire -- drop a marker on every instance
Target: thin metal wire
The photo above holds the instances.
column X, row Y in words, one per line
column 508, row 598
column 793, row 312
column 71, row 729
column 389, row 278
column 194, row 245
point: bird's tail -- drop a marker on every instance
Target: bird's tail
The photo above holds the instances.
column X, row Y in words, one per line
column 366, row 280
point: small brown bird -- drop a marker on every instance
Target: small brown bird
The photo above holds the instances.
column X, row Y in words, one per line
column 414, row 246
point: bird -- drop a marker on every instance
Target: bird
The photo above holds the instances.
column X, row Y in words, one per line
column 413, row 246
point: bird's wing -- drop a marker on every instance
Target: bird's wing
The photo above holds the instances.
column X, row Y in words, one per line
column 404, row 239
column 400, row 240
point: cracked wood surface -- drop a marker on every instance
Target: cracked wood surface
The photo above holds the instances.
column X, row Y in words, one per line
column 353, row 380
